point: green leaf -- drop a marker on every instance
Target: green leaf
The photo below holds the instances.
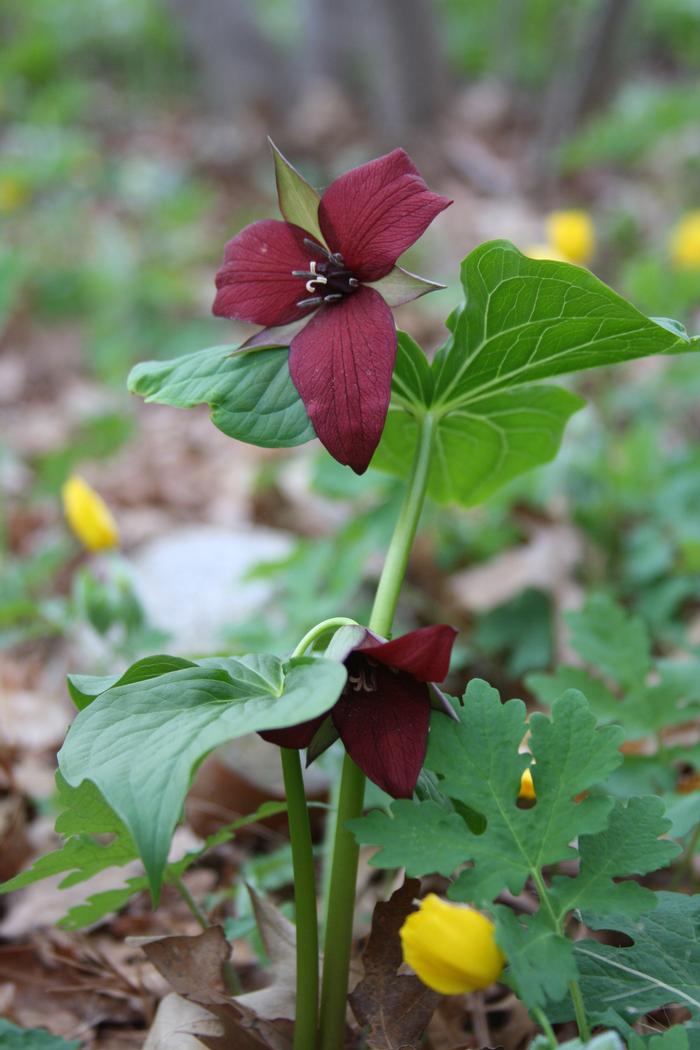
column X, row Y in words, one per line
column 140, row 743
column 547, row 687
column 399, row 286
column 610, row 639
column 662, row 967
column 481, row 767
column 298, row 200
column 251, row 394
column 631, row 844
column 85, row 815
column 421, row 837
column 83, row 688
column 98, row 905
column 602, row 1041
column 528, row 319
column 12, row 1037
column 524, row 320
column 540, row 961
column 480, row 446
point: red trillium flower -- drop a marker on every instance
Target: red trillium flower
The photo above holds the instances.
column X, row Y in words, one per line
column 324, row 282
column 383, row 713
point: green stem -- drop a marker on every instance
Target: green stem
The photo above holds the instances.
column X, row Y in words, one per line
column 305, row 1024
column 343, row 878
column 191, row 903
column 321, row 629
column 546, row 1027
column 685, row 865
column 584, row 1030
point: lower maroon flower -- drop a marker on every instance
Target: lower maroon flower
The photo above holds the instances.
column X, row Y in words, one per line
column 323, row 282
column 383, row 714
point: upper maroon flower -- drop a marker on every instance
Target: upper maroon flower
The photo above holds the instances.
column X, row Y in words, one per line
column 331, row 280
column 383, row 713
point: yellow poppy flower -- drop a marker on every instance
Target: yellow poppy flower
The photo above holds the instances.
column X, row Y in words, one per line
column 451, row 947
column 572, row 234
column 88, row 515
column 13, row 193
column 685, row 242
column 527, row 786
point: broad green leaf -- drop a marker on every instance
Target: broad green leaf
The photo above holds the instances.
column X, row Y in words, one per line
column 481, row 445
column 524, row 320
column 421, row 837
column 611, row 640
column 412, row 382
column 662, row 966
column 251, row 395
column 540, row 961
column 140, row 743
column 12, row 1037
column 83, row 688
column 631, row 844
column 298, row 200
column 527, row 319
column 481, row 767
column 399, row 286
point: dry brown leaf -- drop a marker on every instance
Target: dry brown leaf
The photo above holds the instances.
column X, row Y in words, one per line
column 194, row 968
column 278, row 999
column 396, row 1007
column 179, row 1024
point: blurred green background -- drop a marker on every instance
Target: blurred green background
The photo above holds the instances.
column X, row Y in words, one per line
column 133, row 145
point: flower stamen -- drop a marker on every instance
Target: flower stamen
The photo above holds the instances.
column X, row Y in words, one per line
column 364, row 680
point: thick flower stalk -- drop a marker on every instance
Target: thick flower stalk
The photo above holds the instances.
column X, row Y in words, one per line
column 383, row 713
column 88, row 516
column 452, row 948
column 325, row 290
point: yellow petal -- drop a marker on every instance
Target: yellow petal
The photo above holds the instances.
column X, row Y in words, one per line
column 527, row 786
column 88, row 515
column 684, row 244
column 451, row 947
column 572, row 234
column 13, row 193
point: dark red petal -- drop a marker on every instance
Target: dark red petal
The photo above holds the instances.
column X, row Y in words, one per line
column 341, row 364
column 385, row 732
column 294, row 736
column 255, row 282
column 375, row 212
column 424, row 653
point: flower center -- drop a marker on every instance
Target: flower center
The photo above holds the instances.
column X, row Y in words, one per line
column 361, row 676
column 328, row 280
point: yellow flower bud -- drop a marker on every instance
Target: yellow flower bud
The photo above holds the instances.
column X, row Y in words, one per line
column 451, row 947
column 13, row 193
column 572, row 234
column 685, row 242
column 88, row 515
column 544, row 251
column 527, row 786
